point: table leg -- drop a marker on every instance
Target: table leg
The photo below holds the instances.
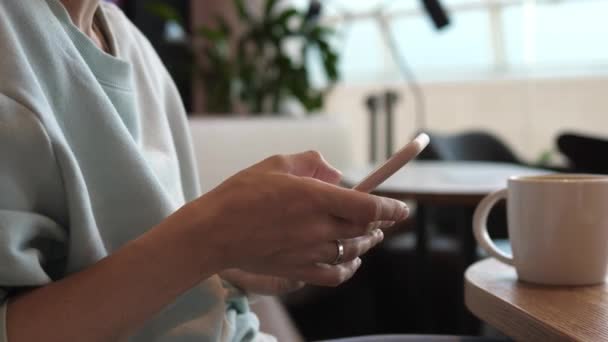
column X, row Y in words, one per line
column 468, row 239
column 422, row 264
column 468, row 323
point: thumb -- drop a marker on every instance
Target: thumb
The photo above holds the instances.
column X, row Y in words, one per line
column 312, row 164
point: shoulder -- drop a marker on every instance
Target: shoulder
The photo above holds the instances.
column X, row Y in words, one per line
column 17, row 116
column 24, row 143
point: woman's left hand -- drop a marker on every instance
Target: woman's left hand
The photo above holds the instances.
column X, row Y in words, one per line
column 271, row 285
column 260, row 284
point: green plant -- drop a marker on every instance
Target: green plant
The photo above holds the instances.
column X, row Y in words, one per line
column 264, row 63
column 546, row 158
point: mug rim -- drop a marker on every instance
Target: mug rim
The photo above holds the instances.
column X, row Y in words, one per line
column 560, row 178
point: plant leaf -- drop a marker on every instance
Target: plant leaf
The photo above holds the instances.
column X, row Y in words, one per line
column 283, row 18
column 242, row 10
column 164, row 11
column 211, row 34
column 270, row 5
column 223, row 25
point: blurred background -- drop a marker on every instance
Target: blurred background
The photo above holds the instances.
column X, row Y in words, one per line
column 355, row 79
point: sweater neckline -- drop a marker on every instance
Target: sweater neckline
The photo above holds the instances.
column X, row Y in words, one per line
column 108, row 69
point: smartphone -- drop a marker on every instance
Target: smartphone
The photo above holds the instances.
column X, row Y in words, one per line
column 393, row 164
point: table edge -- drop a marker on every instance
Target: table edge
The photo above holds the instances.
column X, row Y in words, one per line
column 479, row 301
column 446, row 198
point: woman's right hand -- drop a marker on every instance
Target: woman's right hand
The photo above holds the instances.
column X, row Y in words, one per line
column 278, row 218
column 281, row 217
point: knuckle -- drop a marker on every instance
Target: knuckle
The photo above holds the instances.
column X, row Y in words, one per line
column 370, row 242
column 279, row 161
column 314, row 155
column 379, row 206
column 358, row 249
column 341, row 275
column 373, row 210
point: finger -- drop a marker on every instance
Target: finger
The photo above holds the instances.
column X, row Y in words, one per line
column 359, row 207
column 312, row 164
column 380, row 225
column 353, row 248
column 273, row 286
column 386, row 224
column 259, row 283
column 329, row 275
column 286, row 286
column 336, row 228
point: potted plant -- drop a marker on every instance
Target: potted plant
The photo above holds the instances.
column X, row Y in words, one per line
column 254, row 73
column 262, row 65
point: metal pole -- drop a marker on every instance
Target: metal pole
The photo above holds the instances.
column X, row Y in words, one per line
column 390, row 99
column 372, row 107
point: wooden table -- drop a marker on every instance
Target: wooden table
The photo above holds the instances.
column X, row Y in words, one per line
column 528, row 312
column 443, row 183
column 440, row 183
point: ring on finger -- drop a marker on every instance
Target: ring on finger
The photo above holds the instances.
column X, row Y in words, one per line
column 340, row 252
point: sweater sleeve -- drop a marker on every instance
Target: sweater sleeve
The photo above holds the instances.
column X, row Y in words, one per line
column 183, row 142
column 32, row 240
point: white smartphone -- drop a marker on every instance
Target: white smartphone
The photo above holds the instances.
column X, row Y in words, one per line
column 393, row 164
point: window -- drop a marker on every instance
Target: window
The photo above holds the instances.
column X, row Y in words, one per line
column 463, row 46
column 486, row 37
column 564, row 34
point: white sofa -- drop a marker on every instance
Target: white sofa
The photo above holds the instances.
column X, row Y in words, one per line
column 223, row 146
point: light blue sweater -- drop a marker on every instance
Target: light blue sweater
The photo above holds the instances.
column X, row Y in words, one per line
column 94, row 151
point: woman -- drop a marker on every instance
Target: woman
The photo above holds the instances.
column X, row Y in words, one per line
column 103, row 235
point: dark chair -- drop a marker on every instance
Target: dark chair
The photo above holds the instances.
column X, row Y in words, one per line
column 584, row 153
column 446, row 226
column 470, row 146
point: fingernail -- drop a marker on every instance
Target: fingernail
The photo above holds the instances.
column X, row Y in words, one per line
column 372, row 226
column 358, row 262
column 379, row 234
column 405, row 212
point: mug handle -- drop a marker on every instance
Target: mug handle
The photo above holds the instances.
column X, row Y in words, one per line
column 480, row 228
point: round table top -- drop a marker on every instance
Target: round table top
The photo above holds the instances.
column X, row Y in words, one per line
column 444, row 178
column 528, row 312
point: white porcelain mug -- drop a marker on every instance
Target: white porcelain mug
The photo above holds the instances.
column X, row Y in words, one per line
column 558, row 228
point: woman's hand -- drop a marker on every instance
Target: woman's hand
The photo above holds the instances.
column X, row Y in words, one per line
column 261, row 284
column 281, row 218
column 268, row 285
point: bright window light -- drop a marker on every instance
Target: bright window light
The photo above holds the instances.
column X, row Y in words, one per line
column 487, row 37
